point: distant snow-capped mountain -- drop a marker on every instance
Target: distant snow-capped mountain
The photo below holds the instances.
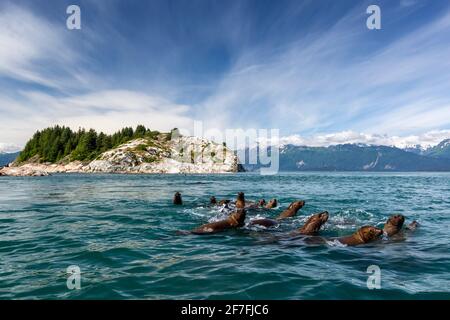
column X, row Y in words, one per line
column 442, row 150
column 361, row 157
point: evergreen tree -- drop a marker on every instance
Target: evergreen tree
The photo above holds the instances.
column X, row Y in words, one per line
column 61, row 143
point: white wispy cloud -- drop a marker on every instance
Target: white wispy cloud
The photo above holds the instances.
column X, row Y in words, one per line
column 333, row 84
column 425, row 140
column 107, row 111
column 35, row 50
column 318, row 84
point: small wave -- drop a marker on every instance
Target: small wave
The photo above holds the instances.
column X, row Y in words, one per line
column 195, row 212
column 258, row 227
column 336, row 243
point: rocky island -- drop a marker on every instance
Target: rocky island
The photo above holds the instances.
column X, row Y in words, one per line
column 60, row 150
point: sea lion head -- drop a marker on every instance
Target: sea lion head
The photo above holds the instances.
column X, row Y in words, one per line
column 297, row 205
column 368, row 234
column 396, row 220
column 272, row 204
column 177, row 198
column 413, row 225
column 393, row 224
column 262, row 202
column 238, row 217
column 240, row 201
column 314, row 223
column 213, row 200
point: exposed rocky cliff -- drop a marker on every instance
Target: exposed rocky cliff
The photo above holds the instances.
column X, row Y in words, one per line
column 143, row 155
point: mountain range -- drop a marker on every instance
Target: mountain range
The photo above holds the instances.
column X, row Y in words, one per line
column 360, row 157
column 442, row 150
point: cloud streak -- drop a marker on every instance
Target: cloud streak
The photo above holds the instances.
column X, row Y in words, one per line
column 425, row 140
column 107, row 111
column 320, row 76
column 321, row 82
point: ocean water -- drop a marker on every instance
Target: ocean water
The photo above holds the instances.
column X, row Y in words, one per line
column 121, row 231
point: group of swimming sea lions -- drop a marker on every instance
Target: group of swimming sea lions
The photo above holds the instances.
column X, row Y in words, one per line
column 240, row 207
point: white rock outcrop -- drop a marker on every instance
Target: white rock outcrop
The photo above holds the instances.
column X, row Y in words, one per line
column 179, row 155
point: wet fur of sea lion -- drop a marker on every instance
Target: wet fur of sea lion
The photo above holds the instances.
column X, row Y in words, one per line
column 240, row 201
column 394, row 224
column 224, row 202
column 264, row 222
column 177, row 199
column 364, row 235
column 272, row 204
column 234, row 220
column 291, row 210
column 314, row 223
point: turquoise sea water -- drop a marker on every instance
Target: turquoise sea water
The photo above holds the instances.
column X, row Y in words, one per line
column 121, row 231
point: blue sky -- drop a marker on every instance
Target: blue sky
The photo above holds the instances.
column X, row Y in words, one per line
column 310, row 68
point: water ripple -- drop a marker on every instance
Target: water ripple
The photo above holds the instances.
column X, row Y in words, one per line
column 122, row 233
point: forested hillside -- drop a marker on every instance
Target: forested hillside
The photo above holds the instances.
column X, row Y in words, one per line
column 58, row 143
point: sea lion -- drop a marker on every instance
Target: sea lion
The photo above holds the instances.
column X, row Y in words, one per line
column 272, row 204
column 394, row 224
column 291, row 210
column 264, row 222
column 314, row 223
column 224, row 202
column 213, row 200
column 240, row 201
column 177, row 199
column 413, row 226
column 234, row 220
column 364, row 235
